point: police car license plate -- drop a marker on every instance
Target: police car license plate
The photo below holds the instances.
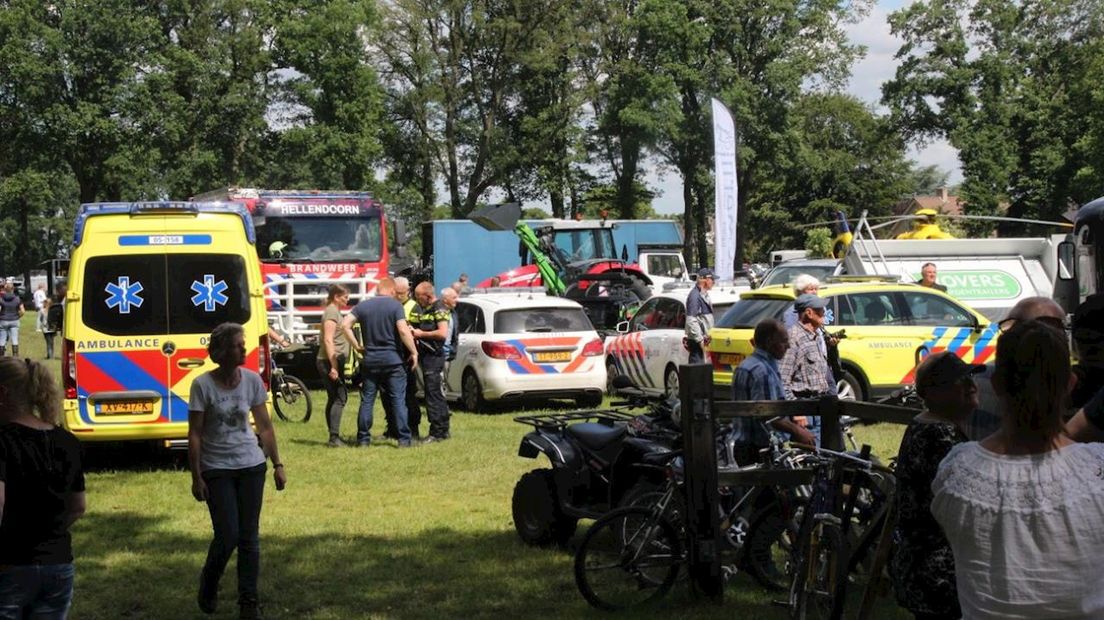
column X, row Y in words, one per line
column 730, row 359
column 552, row 356
column 124, row 408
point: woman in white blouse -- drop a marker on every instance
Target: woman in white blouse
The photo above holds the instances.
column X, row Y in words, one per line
column 1024, row 508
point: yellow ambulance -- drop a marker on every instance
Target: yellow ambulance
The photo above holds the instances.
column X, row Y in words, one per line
column 148, row 282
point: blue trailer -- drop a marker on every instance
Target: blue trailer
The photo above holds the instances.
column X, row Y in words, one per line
column 452, row 247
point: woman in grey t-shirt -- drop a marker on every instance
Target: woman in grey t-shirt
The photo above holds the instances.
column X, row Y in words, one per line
column 332, row 352
column 228, row 467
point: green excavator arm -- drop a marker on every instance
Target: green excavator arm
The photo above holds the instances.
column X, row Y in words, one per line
column 508, row 217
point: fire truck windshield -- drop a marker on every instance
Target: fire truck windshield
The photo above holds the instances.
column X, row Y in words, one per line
column 321, row 239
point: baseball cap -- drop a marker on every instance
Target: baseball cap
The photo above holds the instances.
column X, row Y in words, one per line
column 706, row 272
column 943, row 368
column 808, row 300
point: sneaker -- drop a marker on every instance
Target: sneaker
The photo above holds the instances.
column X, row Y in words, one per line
column 207, row 597
column 406, row 444
column 434, row 439
column 363, row 444
column 336, row 442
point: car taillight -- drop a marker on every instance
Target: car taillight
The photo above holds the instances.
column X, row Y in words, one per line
column 68, row 368
column 264, row 361
column 501, row 350
column 594, row 347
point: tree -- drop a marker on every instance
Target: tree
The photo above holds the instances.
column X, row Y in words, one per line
column 632, row 100
column 452, row 70
column 331, row 99
column 71, row 68
column 1013, row 86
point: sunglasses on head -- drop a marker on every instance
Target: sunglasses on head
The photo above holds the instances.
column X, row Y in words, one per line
column 1049, row 321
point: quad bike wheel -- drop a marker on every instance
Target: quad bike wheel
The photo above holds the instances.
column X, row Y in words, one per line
column 537, row 515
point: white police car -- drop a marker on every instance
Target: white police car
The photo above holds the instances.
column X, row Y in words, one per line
column 650, row 346
column 524, row 344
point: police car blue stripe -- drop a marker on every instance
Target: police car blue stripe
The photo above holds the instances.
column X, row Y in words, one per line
column 985, row 338
column 959, row 338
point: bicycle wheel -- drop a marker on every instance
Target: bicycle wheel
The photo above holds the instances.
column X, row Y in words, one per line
column 292, row 400
column 769, row 548
column 820, row 578
column 627, row 558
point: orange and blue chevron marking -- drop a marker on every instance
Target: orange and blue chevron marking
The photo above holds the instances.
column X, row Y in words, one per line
column 140, row 370
column 957, row 340
column 526, row 365
column 627, row 352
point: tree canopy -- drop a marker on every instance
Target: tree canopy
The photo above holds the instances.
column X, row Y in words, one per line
column 562, row 105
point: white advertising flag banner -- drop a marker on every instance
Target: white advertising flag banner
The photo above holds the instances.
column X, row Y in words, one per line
column 724, row 167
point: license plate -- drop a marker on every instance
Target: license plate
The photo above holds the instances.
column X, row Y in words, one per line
column 730, row 359
column 124, row 408
column 552, row 356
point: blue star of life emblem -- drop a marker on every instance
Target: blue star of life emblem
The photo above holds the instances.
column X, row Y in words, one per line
column 209, row 293
column 828, row 316
column 123, row 295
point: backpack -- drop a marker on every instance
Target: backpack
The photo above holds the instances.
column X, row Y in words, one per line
column 54, row 316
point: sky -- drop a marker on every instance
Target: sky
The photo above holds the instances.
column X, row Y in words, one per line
column 867, row 77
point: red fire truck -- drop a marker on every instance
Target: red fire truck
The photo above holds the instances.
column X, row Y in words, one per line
column 307, row 240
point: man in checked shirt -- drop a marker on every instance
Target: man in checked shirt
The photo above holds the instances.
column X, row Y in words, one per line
column 805, row 371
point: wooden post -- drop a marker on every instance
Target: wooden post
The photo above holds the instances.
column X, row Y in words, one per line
column 830, row 435
column 700, row 470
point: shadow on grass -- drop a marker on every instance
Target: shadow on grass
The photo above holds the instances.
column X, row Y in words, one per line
column 132, row 456
column 134, row 568
column 137, row 570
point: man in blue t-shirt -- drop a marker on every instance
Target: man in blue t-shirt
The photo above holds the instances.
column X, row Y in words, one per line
column 382, row 327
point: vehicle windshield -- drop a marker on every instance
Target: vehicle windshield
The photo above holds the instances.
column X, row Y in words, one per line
column 784, row 274
column 585, row 244
column 319, row 239
column 538, row 320
column 747, row 313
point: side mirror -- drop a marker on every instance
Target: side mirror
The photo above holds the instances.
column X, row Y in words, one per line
column 623, row 327
column 1067, row 255
column 625, row 253
column 977, row 324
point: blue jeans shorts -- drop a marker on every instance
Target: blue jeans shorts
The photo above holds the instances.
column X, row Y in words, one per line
column 37, row 591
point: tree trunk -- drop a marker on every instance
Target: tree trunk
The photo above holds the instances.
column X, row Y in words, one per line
column 626, row 196
column 703, row 226
column 556, row 197
column 688, row 213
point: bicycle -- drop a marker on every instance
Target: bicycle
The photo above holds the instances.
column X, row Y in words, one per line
column 850, row 500
column 290, row 396
column 633, row 554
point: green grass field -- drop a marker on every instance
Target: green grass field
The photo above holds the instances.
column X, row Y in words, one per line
column 358, row 533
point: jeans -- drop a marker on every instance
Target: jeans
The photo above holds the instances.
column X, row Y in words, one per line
column 9, row 330
column 391, row 381
column 336, row 393
column 413, row 410
column 38, row 591
column 234, row 500
column 433, row 374
column 697, row 352
column 49, row 336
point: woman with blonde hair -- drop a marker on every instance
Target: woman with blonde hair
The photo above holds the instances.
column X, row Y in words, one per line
column 41, row 494
column 1023, row 509
column 332, row 352
column 228, row 467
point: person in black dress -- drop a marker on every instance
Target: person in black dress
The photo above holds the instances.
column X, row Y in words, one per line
column 922, row 565
column 41, row 494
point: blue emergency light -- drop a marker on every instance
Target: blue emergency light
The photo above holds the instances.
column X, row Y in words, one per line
column 160, row 208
